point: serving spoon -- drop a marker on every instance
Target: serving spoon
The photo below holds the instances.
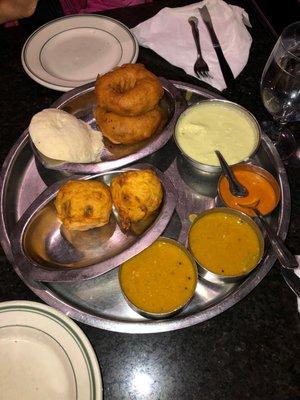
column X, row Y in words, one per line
column 236, row 188
column 284, row 256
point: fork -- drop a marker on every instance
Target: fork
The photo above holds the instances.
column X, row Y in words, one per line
column 201, row 68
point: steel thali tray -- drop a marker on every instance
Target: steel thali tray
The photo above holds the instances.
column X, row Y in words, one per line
column 99, row 301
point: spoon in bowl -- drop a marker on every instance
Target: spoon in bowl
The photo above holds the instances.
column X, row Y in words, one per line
column 235, row 187
column 284, row 256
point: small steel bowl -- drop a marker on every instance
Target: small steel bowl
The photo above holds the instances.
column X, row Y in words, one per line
column 175, row 311
column 216, row 169
column 208, row 275
column 259, row 171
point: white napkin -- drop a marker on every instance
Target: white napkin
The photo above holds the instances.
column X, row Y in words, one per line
column 169, row 34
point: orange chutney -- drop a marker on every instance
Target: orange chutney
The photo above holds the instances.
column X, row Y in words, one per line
column 224, row 244
column 261, row 193
column 160, row 279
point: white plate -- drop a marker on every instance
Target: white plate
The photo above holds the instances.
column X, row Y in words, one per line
column 46, row 354
column 72, row 50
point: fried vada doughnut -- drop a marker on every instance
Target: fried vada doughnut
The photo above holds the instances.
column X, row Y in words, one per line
column 136, row 195
column 128, row 90
column 128, row 130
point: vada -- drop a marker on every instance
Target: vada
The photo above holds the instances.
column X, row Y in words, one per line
column 83, row 205
column 136, row 195
column 128, row 90
column 128, row 130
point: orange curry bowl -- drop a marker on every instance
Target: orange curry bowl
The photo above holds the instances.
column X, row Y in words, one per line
column 263, row 190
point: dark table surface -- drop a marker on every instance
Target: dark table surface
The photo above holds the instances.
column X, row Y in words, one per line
column 249, row 351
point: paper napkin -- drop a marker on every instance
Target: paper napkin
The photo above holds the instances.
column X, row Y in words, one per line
column 169, row 34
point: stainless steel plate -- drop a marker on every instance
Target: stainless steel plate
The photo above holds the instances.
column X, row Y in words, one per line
column 99, row 301
column 45, row 251
column 81, row 103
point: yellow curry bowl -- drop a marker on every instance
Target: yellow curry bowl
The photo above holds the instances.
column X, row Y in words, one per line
column 160, row 281
column 226, row 244
column 216, row 124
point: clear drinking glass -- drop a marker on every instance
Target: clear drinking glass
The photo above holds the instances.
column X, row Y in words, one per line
column 280, row 89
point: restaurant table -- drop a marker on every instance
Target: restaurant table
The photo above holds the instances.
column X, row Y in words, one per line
column 250, row 350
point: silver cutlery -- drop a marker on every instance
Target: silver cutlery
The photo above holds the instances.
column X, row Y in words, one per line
column 201, row 68
column 236, row 188
column 284, row 256
column 225, row 68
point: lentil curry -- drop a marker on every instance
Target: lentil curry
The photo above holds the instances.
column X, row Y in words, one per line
column 160, row 279
column 224, row 244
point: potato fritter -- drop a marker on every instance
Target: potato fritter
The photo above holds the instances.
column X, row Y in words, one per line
column 136, row 195
column 83, row 205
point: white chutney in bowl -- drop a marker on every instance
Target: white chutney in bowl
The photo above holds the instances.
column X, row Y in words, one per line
column 216, row 125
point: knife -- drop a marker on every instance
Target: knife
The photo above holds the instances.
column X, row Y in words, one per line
column 225, row 68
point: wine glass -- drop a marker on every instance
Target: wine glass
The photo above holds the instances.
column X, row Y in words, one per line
column 280, row 89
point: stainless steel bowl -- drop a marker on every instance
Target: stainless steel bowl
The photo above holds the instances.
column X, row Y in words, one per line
column 259, row 171
column 204, row 272
column 216, row 169
column 175, row 311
